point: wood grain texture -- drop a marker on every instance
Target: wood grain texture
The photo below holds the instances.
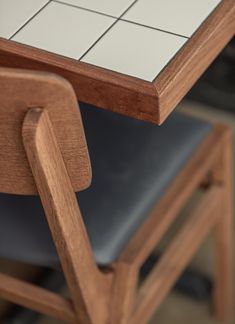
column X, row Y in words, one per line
column 124, row 289
column 149, row 101
column 88, row 287
column 36, row 298
column 223, row 234
column 103, row 88
column 21, row 91
column 177, row 256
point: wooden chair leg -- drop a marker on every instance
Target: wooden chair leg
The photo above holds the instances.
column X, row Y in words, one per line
column 176, row 257
column 223, row 284
column 124, row 291
column 223, row 292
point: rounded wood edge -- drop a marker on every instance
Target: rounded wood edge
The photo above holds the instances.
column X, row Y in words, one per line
column 66, row 120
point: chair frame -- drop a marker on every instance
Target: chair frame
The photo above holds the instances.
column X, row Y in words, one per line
column 110, row 295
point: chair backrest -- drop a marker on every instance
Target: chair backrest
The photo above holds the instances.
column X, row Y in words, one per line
column 21, row 90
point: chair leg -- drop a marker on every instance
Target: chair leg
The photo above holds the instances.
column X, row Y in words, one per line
column 123, row 292
column 223, row 292
column 223, row 284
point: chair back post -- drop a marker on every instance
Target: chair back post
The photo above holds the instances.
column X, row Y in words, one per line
column 86, row 283
column 43, row 151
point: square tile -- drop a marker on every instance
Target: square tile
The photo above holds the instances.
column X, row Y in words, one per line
column 134, row 50
column 182, row 17
column 110, row 7
column 64, row 30
column 14, row 14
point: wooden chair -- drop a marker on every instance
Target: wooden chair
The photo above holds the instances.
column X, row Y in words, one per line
column 43, row 151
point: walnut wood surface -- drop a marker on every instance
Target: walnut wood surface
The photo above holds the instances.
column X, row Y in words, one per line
column 36, row 298
column 84, row 280
column 177, row 256
column 223, row 235
column 20, row 91
column 150, row 101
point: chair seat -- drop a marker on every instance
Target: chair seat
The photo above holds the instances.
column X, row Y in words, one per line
column 133, row 163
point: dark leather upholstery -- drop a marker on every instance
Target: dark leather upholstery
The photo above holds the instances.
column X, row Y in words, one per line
column 133, row 163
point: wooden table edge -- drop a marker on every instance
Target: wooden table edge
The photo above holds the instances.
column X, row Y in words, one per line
column 194, row 58
column 149, row 101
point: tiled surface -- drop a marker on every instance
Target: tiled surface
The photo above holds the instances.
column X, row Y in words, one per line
column 126, row 46
column 64, row 30
column 182, row 17
column 14, row 14
column 110, row 7
column 133, row 37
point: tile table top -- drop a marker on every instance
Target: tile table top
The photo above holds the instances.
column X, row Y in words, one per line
column 117, row 48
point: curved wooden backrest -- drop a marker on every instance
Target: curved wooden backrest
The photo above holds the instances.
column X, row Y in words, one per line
column 21, row 90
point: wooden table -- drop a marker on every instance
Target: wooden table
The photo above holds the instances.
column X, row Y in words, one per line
column 135, row 57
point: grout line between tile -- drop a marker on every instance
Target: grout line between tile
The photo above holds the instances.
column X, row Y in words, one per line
column 82, row 8
column 127, row 9
column 31, row 18
column 154, row 28
column 211, row 12
column 120, row 17
column 98, row 39
column 117, row 19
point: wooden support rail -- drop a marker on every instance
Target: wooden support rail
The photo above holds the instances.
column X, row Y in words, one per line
column 166, row 211
column 36, row 298
column 174, row 260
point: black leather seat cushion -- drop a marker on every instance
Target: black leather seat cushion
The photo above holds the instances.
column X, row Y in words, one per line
column 133, row 163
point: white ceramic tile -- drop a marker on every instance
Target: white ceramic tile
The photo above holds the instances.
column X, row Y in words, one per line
column 64, row 30
column 14, row 14
column 178, row 16
column 134, row 50
column 111, row 7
